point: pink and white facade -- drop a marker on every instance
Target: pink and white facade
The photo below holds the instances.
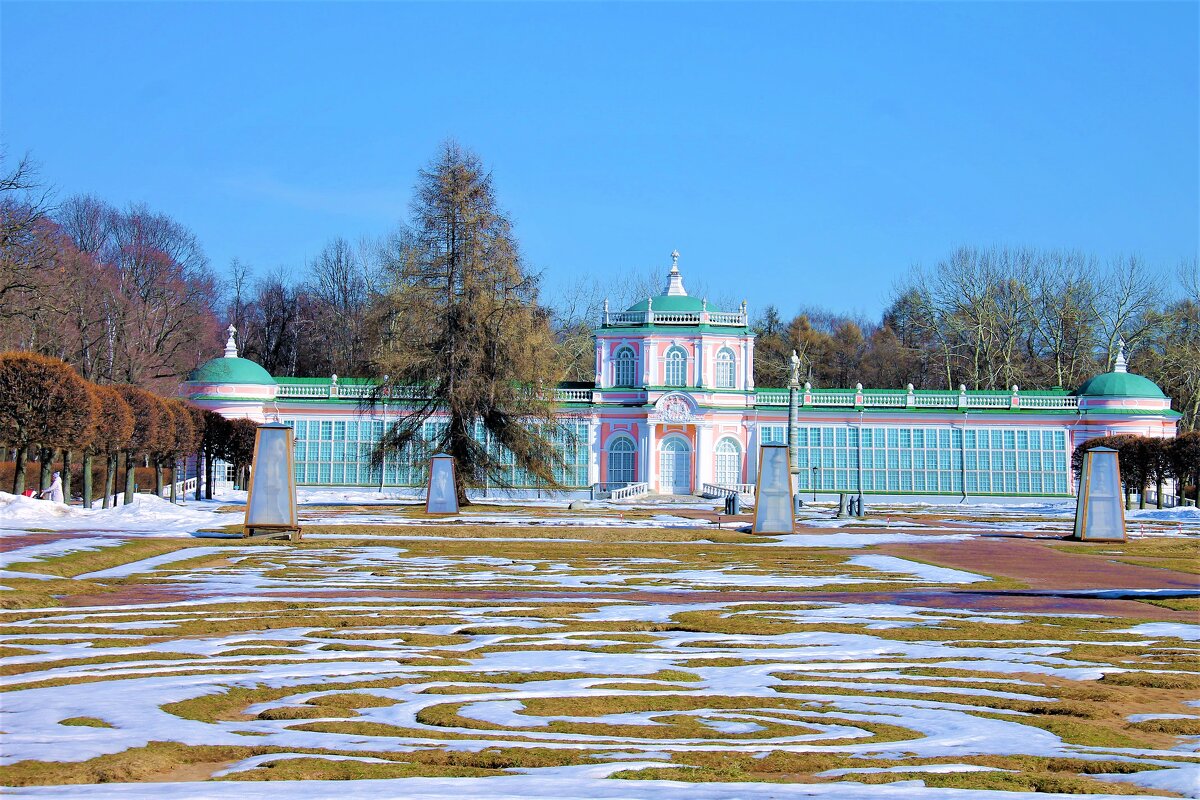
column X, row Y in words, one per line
column 674, row 410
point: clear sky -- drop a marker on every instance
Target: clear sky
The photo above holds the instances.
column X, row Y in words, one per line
column 801, row 153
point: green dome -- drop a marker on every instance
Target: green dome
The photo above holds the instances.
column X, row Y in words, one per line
column 667, row 303
column 1121, row 384
column 232, row 370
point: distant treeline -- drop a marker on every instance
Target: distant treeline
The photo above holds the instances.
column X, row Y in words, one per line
column 127, row 296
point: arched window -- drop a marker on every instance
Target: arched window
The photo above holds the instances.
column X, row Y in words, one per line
column 726, row 374
column 624, row 367
column 621, row 455
column 675, row 373
column 729, row 463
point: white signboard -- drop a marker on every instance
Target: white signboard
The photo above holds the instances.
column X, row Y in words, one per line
column 442, row 498
column 1100, row 506
column 271, row 500
column 773, row 499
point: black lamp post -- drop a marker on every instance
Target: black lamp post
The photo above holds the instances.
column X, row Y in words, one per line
column 816, row 471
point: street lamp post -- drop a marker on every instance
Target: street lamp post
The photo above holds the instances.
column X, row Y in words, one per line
column 816, row 472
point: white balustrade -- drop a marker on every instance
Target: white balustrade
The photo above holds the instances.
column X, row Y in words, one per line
column 769, row 398
column 630, row 492
column 718, row 490
column 731, row 318
column 573, row 395
column 834, row 399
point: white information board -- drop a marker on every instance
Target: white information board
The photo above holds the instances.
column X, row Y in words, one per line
column 773, row 498
column 1100, row 506
column 441, row 498
column 271, row 500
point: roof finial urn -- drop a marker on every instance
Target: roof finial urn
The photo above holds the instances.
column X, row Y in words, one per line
column 674, row 279
column 231, row 344
column 1120, row 365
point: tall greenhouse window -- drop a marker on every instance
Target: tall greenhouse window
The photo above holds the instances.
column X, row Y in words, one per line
column 729, row 463
column 676, row 367
column 624, row 367
column 620, row 461
column 725, row 369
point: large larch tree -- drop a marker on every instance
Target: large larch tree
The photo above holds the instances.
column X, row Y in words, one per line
column 463, row 338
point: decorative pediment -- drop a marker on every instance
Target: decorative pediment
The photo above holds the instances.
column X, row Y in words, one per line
column 675, row 408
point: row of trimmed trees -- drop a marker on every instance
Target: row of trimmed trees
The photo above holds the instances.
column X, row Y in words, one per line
column 48, row 412
column 1147, row 461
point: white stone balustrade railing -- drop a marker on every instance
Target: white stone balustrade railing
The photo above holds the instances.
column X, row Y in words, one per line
column 630, row 492
column 361, row 391
column 652, row 317
column 719, row 490
column 302, row 390
column 923, row 399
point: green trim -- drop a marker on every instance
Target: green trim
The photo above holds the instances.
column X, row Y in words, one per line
column 624, row 330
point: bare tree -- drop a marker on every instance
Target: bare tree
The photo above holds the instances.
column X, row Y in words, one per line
column 1065, row 320
column 1125, row 305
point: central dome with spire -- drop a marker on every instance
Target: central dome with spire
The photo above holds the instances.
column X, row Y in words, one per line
column 673, row 307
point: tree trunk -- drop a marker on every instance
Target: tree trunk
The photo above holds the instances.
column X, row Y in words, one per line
column 110, row 478
column 158, row 478
column 208, row 475
column 46, row 457
column 87, row 478
column 66, row 476
column 130, row 473
column 1142, row 496
column 173, row 481
column 1158, row 495
column 199, row 473
column 19, row 472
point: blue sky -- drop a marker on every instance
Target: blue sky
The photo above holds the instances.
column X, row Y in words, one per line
column 795, row 154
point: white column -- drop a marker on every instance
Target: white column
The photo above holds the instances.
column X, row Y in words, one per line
column 752, row 455
column 651, row 472
column 699, row 363
column 704, row 454
column 594, row 447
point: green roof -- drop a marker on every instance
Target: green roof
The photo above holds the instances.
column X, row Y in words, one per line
column 232, row 370
column 668, row 303
column 1121, row 384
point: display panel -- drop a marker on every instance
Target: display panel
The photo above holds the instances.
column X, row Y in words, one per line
column 271, row 500
column 773, row 503
column 441, row 497
column 1100, row 507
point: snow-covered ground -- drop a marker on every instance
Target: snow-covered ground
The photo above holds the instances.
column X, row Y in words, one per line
column 147, row 514
column 803, row 677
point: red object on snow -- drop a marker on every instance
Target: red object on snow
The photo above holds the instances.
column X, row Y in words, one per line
column 29, row 493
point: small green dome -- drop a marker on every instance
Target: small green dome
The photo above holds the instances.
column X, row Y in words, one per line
column 669, row 304
column 231, row 370
column 1121, row 384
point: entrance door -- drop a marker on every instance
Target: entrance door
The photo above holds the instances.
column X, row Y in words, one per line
column 675, row 467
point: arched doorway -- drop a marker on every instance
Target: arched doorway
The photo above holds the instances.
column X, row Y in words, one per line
column 675, row 466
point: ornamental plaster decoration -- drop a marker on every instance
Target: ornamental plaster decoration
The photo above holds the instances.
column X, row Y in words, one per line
column 675, row 408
